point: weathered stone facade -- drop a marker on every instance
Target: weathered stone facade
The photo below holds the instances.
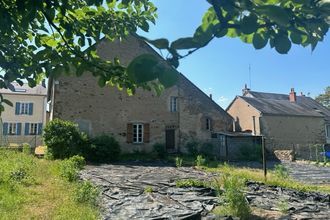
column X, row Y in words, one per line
column 110, row 111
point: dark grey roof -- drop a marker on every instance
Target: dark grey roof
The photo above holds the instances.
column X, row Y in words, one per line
column 25, row 90
column 279, row 104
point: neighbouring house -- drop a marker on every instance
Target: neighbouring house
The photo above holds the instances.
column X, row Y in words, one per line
column 180, row 114
column 23, row 123
column 288, row 121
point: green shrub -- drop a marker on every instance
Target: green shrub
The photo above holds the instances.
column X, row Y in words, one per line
column 69, row 168
column 160, row 150
column 178, row 161
column 281, row 171
column 236, row 203
column 86, row 192
column 148, row 189
column 63, row 139
column 207, row 150
column 192, row 148
column 250, row 152
column 200, row 161
column 18, row 175
column 190, row 183
column 102, row 149
column 26, row 148
column 78, row 161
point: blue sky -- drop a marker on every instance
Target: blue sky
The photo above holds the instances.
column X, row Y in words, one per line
column 222, row 68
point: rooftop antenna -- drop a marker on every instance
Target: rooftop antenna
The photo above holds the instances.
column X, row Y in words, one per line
column 250, row 76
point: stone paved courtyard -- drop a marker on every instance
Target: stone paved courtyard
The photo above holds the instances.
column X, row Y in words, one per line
column 124, row 193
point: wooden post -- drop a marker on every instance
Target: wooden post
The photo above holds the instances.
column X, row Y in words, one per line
column 264, row 165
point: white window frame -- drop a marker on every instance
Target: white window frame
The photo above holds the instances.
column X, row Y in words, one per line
column 174, row 104
column 208, row 124
column 24, row 108
column 12, row 128
column 138, row 129
column 32, row 127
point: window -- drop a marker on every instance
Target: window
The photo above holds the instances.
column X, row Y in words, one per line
column 137, row 133
column 208, row 124
column 327, row 130
column 33, row 129
column 174, row 104
column 12, row 129
column 24, row 110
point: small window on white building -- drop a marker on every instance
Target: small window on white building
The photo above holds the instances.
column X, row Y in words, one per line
column 24, row 110
column 33, row 129
column 174, row 104
column 137, row 133
column 12, row 129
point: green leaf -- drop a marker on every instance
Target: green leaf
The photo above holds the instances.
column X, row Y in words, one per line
column 275, row 13
column 259, row 41
column 102, row 81
column 249, row 24
column 142, row 68
column 282, row 44
column 161, row 43
column 247, row 38
column 185, row 43
column 219, row 31
column 296, row 38
column 7, row 102
column 168, row 77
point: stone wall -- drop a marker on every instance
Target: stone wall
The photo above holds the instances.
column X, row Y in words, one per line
column 108, row 110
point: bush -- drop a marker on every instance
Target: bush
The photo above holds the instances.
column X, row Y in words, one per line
column 86, row 192
column 192, row 148
column 178, row 162
column 160, row 150
column 236, row 203
column 200, row 161
column 250, row 153
column 63, row 139
column 69, row 168
column 103, row 149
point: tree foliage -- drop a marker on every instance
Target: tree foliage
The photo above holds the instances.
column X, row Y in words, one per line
column 324, row 99
column 48, row 38
column 279, row 23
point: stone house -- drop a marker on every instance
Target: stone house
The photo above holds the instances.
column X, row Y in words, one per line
column 287, row 121
column 180, row 114
column 23, row 123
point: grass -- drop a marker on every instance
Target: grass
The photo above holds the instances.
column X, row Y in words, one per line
column 272, row 178
column 39, row 192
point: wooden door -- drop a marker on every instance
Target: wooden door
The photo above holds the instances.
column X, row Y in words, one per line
column 170, row 139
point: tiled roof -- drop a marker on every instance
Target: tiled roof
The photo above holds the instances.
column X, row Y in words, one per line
column 25, row 90
column 279, row 104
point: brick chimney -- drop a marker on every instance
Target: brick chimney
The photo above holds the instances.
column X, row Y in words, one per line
column 293, row 95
